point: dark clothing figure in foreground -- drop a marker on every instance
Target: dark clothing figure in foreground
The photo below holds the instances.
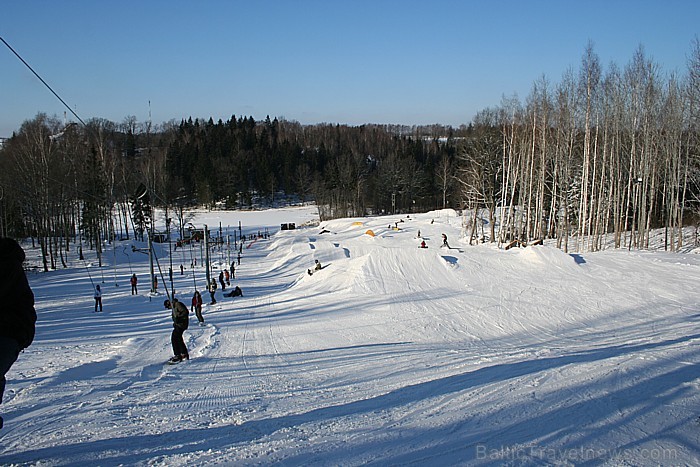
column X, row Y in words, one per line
column 181, row 321
column 17, row 316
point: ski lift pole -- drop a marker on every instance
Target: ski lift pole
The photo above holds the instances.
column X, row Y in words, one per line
column 89, row 275
column 206, row 252
column 194, row 279
column 150, row 260
column 170, row 255
column 114, row 255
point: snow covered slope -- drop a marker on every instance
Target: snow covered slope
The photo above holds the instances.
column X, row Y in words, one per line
column 391, row 354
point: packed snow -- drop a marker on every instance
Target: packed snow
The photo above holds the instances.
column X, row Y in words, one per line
column 390, row 354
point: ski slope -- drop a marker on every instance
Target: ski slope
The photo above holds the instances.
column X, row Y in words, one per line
column 389, row 355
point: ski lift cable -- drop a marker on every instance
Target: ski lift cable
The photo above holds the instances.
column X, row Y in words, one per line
column 42, row 80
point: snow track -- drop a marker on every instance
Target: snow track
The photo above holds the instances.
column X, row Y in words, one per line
column 389, row 355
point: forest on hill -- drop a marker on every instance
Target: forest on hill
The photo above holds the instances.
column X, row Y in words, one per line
column 604, row 155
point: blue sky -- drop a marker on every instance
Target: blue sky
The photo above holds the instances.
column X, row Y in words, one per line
column 374, row 61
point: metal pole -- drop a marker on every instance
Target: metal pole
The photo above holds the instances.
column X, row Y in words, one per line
column 206, row 253
column 150, row 260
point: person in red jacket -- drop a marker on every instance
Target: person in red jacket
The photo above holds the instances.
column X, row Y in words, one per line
column 134, row 280
column 197, row 306
column 17, row 317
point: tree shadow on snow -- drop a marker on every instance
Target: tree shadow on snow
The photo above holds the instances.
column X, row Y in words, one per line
column 551, row 424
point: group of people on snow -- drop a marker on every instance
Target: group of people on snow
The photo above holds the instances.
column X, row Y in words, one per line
column 180, row 313
column 424, row 245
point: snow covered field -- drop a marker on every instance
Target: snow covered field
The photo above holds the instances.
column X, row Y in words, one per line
column 390, row 355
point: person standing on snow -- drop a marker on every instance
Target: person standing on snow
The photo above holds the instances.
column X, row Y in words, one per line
column 197, row 306
column 221, row 281
column 181, row 321
column 444, row 241
column 98, row 297
column 212, row 291
column 227, row 277
column 134, row 280
column 17, row 317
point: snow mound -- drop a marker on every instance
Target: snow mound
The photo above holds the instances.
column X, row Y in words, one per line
column 548, row 257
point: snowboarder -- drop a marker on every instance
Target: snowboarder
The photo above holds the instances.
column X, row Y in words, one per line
column 133, row 281
column 18, row 317
column 181, row 321
column 98, row 298
column 221, row 281
column 423, row 245
column 197, row 306
column 212, row 291
column 236, row 292
column 318, row 265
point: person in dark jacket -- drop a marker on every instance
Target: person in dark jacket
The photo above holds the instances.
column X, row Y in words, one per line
column 197, row 306
column 221, row 281
column 212, row 291
column 181, row 321
column 17, row 316
column 236, row 292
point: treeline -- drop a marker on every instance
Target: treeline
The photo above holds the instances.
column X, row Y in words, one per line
column 348, row 171
column 602, row 156
column 66, row 185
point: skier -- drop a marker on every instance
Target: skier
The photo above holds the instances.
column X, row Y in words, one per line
column 221, row 281
column 98, row 297
column 197, row 306
column 181, row 321
column 18, row 317
column 134, row 280
column 212, row 291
